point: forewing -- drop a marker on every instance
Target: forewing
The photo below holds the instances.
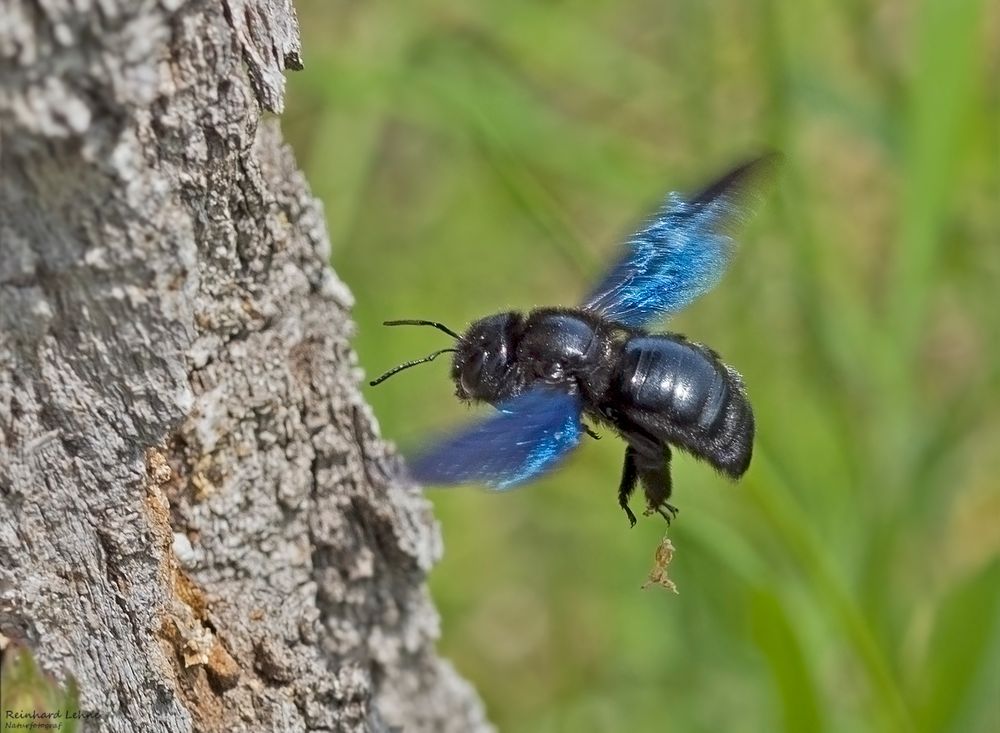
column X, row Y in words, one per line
column 526, row 437
column 683, row 250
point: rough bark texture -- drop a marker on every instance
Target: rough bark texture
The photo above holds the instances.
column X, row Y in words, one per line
column 197, row 518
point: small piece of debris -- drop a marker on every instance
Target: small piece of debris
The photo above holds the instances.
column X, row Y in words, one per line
column 159, row 469
column 198, row 647
column 658, row 574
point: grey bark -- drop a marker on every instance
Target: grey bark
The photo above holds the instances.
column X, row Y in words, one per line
column 197, row 518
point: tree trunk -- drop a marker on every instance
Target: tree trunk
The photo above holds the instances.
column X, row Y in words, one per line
column 198, row 520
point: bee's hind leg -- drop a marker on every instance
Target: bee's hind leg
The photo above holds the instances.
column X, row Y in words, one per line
column 666, row 510
column 654, row 472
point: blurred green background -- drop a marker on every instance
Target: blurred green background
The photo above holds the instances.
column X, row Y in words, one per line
column 474, row 157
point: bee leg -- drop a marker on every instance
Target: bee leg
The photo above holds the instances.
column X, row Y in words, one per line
column 654, row 472
column 667, row 511
column 629, row 478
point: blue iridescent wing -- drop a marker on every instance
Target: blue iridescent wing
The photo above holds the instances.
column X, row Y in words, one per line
column 526, row 437
column 683, row 250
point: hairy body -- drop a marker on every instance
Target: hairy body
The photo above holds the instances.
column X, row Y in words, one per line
column 654, row 390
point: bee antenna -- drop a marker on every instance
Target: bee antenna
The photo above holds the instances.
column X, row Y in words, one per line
column 407, row 365
column 434, row 324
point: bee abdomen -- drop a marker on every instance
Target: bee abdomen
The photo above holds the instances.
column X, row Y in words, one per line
column 677, row 378
column 733, row 441
column 682, row 393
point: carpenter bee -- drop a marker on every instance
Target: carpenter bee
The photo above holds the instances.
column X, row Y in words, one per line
column 547, row 369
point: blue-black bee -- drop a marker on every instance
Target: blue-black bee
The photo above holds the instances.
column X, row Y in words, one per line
column 546, row 369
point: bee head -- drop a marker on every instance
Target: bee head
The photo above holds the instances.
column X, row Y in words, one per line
column 483, row 367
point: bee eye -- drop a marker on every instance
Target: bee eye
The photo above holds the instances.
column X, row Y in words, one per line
column 473, row 365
